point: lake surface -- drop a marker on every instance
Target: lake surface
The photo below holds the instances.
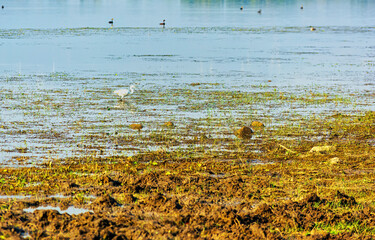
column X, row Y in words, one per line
column 61, row 60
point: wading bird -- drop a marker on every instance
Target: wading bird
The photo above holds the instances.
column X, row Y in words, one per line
column 123, row 92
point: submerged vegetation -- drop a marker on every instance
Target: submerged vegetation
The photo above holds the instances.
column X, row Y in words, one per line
column 306, row 170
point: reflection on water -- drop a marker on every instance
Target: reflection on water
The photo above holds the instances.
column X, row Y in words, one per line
column 70, row 210
column 126, row 105
column 15, row 196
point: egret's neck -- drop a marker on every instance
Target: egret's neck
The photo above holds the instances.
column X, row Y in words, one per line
column 131, row 89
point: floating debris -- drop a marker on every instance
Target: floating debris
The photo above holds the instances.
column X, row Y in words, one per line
column 244, row 132
column 136, row 126
column 257, row 124
column 169, row 124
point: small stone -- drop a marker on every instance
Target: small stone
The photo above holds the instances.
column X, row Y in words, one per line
column 257, row 124
column 323, row 149
column 136, row 126
column 334, row 160
column 169, row 124
column 244, row 132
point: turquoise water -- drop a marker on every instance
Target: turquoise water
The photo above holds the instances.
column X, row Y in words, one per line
column 185, row 13
column 61, row 60
column 205, row 37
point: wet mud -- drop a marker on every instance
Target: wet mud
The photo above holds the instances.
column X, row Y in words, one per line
column 169, row 217
column 300, row 194
column 155, row 171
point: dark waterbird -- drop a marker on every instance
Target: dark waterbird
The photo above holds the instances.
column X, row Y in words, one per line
column 301, row 7
column 163, row 23
column 2, row 6
column 111, row 21
column 260, row 11
column 241, row 8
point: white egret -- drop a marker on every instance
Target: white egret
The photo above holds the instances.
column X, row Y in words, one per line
column 123, row 92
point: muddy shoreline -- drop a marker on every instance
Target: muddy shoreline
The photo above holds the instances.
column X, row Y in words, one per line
column 197, row 160
column 285, row 190
column 241, row 125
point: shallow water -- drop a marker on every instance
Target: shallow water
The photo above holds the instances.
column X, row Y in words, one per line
column 70, row 210
column 60, row 62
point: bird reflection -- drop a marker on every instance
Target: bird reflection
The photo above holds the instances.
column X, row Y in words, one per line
column 126, row 105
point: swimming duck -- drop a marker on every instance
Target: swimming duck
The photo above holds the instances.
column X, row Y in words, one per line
column 163, row 23
column 312, row 29
column 2, row 6
column 111, row 21
column 260, row 11
column 241, row 8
